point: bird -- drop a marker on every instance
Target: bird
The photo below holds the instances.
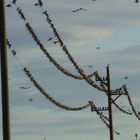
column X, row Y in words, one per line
column 22, row 87
column 36, row 4
column 31, row 99
column 97, row 48
column 50, row 38
column 126, row 77
column 79, row 10
column 13, row 52
column 14, row 1
column 90, row 66
column 8, row 5
column 55, row 42
column 136, row 1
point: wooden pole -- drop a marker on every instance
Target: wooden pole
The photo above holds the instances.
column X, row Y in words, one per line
column 4, row 74
column 109, row 104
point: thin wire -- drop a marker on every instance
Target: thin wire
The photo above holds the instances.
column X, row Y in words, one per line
column 36, row 39
column 133, row 108
column 38, row 86
column 91, row 82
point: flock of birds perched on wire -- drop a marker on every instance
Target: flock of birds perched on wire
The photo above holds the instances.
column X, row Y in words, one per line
column 55, row 42
column 50, row 38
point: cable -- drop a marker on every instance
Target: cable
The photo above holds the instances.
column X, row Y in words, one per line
column 132, row 106
column 38, row 42
column 29, row 28
column 38, row 86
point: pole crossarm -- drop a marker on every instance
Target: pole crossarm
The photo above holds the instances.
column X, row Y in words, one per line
column 94, row 108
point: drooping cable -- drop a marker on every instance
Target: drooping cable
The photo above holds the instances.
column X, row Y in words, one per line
column 51, row 99
column 133, row 108
column 29, row 28
column 104, row 119
column 61, row 43
column 38, row 42
column 38, row 86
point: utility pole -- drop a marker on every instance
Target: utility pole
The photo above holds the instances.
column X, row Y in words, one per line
column 4, row 74
column 122, row 91
column 109, row 104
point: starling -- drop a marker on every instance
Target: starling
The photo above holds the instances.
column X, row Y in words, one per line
column 79, row 10
column 8, row 5
column 136, row 1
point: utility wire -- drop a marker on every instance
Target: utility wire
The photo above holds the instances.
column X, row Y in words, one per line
column 64, row 48
column 38, row 86
column 38, row 42
column 31, row 31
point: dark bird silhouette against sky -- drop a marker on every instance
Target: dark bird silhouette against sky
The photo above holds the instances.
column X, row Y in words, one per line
column 22, row 87
column 97, row 48
column 14, row 1
column 50, row 38
column 30, row 99
column 79, row 9
column 126, row 77
column 136, row 1
column 8, row 5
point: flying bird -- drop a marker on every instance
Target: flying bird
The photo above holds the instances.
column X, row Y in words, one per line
column 79, row 10
column 97, row 48
column 126, row 77
column 30, row 99
column 49, row 39
column 136, row 1
column 90, row 66
column 22, row 87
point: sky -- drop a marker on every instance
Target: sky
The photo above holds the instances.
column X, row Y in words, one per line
column 111, row 25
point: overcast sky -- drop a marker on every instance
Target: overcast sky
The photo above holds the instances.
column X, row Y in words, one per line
column 113, row 26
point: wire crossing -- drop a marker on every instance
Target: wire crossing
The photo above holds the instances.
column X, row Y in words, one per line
column 99, row 82
column 102, row 86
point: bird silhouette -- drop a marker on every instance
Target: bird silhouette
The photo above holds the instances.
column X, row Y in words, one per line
column 90, row 66
column 14, row 1
column 126, row 77
column 97, row 48
column 50, row 38
column 79, row 9
column 8, row 5
column 55, row 42
column 136, row 1
column 30, row 99
column 22, row 87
